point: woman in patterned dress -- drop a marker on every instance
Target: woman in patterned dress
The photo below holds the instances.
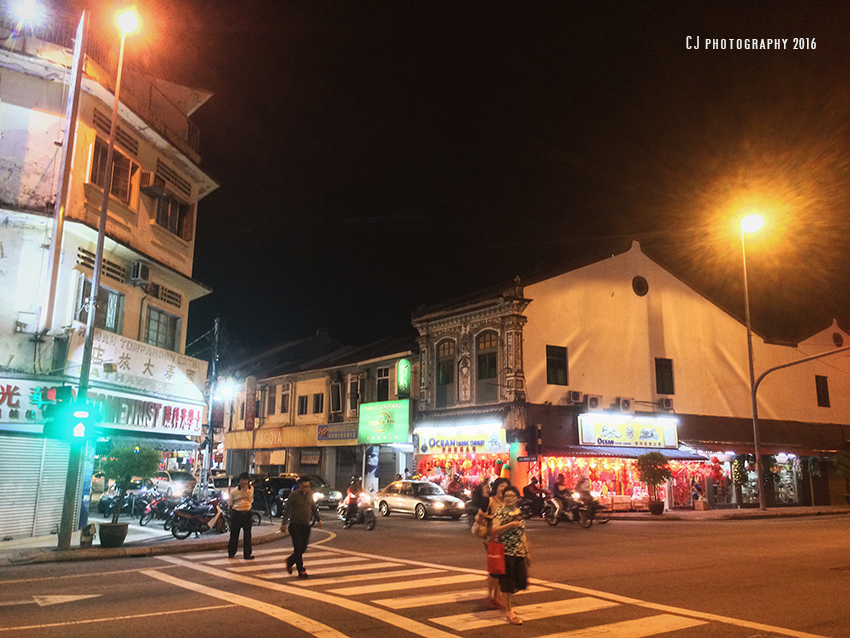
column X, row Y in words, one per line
column 510, row 526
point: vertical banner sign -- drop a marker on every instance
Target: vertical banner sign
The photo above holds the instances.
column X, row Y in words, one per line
column 250, row 402
column 372, row 454
column 403, row 378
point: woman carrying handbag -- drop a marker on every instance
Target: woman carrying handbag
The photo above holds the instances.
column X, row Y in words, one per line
column 508, row 524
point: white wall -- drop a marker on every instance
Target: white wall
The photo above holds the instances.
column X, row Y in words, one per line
column 613, row 337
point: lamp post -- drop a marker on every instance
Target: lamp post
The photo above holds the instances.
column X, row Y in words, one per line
column 752, row 224
column 127, row 23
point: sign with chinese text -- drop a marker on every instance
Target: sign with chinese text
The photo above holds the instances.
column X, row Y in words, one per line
column 627, row 431
column 337, row 434
column 384, row 422
column 461, row 440
column 138, row 366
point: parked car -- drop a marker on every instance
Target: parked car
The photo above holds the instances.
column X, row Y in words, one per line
column 174, row 484
column 271, row 492
column 420, row 498
column 323, row 494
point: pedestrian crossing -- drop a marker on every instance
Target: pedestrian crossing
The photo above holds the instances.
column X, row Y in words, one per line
column 443, row 598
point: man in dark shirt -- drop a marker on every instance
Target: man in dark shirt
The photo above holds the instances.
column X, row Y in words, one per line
column 299, row 511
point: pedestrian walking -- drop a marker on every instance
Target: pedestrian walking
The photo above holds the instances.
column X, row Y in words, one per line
column 497, row 491
column 299, row 511
column 508, row 523
column 241, row 501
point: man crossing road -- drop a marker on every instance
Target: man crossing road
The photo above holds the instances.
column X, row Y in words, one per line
column 299, row 511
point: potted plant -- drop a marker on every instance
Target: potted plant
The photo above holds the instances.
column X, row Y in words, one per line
column 841, row 465
column 123, row 464
column 653, row 469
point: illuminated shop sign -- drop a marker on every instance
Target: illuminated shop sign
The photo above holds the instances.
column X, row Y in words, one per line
column 384, row 422
column 624, row 430
column 403, row 378
column 462, row 440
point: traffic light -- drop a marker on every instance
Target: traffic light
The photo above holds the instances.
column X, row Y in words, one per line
column 67, row 420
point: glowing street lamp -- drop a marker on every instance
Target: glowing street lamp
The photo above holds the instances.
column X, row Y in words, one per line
column 752, row 224
column 28, row 11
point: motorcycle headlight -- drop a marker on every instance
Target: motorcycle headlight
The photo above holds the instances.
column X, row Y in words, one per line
column 367, row 500
column 576, row 495
column 225, row 496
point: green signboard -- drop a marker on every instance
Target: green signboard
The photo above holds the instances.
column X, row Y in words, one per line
column 384, row 422
column 403, row 378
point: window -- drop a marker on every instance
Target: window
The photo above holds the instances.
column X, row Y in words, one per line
column 271, row 399
column 336, row 397
column 353, row 396
column 284, row 398
column 123, row 170
column 172, row 214
column 487, row 389
column 822, row 387
column 445, row 373
column 557, row 367
column 664, row 376
column 318, row 403
column 109, row 314
column 302, row 404
column 162, row 329
column 383, row 393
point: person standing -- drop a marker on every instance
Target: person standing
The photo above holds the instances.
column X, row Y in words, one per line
column 241, row 501
column 497, row 491
column 299, row 511
column 508, row 523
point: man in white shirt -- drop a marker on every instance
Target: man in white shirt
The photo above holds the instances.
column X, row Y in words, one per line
column 241, row 501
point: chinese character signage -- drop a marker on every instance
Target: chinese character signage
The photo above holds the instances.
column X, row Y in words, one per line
column 461, row 440
column 627, row 431
column 138, row 366
column 403, row 378
column 337, row 434
column 384, row 422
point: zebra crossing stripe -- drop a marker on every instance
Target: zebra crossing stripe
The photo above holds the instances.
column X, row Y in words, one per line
column 401, row 573
column 408, row 602
column 326, row 570
column 278, row 556
column 648, row 626
column 477, row 620
column 256, row 552
column 410, row 584
column 254, row 567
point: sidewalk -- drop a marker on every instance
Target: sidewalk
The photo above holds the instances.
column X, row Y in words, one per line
column 733, row 514
column 150, row 540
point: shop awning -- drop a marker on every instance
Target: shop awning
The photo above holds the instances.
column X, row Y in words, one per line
column 163, row 444
column 455, row 418
column 620, row 452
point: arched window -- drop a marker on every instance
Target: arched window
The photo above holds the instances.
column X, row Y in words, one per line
column 487, row 357
column 445, row 373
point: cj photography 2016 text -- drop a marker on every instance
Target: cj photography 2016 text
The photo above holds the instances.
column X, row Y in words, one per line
column 698, row 42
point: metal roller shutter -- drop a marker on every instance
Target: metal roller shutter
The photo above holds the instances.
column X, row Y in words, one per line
column 20, row 467
column 51, row 492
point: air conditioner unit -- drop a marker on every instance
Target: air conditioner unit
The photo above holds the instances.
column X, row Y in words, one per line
column 593, row 402
column 626, row 404
column 666, row 403
column 140, row 273
column 574, row 397
column 152, row 184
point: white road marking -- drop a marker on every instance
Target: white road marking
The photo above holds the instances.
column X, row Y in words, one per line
column 402, row 573
column 253, row 567
column 477, row 620
column 407, row 624
column 410, row 584
column 44, row 601
column 649, row 626
column 407, row 602
column 256, row 552
column 85, row 575
column 324, row 570
column 288, row 616
column 233, row 562
column 626, row 600
column 114, row 618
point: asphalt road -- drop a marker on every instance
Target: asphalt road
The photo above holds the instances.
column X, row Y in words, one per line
column 784, row 577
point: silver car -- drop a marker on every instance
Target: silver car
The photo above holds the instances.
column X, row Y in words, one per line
column 420, row 498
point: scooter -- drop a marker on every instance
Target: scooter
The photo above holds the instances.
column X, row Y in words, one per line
column 365, row 512
column 572, row 511
column 158, row 507
column 199, row 518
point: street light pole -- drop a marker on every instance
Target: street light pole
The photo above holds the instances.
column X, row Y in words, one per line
column 752, row 223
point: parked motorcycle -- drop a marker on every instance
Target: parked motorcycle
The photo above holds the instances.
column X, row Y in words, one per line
column 198, row 518
column 365, row 512
column 158, row 507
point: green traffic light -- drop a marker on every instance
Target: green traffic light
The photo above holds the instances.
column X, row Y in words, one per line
column 80, row 430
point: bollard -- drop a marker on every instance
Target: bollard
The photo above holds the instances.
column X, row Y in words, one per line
column 87, row 534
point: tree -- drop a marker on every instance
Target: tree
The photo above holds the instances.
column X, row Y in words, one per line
column 653, row 469
column 124, row 463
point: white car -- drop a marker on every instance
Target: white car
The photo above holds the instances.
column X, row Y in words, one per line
column 174, row 484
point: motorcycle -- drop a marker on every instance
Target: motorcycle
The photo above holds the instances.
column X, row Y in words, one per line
column 575, row 510
column 198, row 518
column 365, row 512
column 158, row 507
column 532, row 507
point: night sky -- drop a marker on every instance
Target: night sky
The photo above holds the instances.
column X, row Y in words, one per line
column 375, row 156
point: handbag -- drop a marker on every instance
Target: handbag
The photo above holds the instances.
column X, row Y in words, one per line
column 495, row 557
column 479, row 526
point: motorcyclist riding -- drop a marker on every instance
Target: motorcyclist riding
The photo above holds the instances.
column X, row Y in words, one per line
column 534, row 494
column 351, row 499
column 583, row 488
column 560, row 494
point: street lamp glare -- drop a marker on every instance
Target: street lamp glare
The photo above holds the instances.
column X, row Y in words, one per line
column 752, row 223
column 128, row 22
column 27, row 10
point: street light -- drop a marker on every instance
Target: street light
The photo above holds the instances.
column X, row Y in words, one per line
column 752, row 224
column 127, row 23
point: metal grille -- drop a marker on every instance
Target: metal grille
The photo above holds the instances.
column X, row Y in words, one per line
column 110, row 269
column 128, row 142
column 172, row 176
column 170, row 297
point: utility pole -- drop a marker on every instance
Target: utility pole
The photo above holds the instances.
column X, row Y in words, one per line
column 213, row 387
